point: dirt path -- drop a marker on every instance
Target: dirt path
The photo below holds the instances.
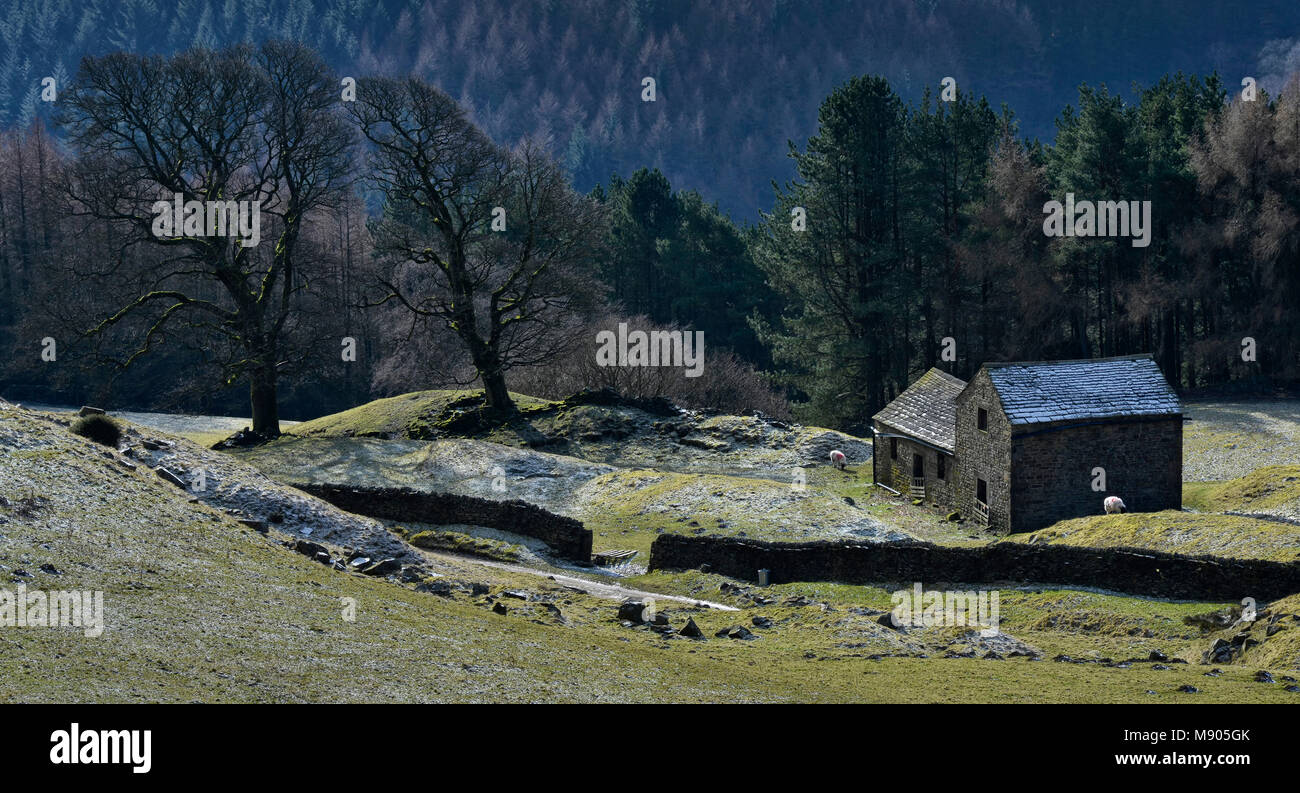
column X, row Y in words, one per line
column 596, row 588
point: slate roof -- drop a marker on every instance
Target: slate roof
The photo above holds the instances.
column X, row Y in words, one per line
column 927, row 410
column 1102, row 388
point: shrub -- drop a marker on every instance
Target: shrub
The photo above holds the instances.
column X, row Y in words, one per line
column 98, row 428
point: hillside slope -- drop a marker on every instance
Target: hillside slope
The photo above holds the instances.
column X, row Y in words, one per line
column 200, row 607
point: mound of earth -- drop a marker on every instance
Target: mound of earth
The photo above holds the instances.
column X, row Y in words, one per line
column 601, row 427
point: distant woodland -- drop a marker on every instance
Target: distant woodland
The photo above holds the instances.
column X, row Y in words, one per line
column 924, row 217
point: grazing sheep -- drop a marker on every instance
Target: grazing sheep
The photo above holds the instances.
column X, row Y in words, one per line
column 1114, row 504
column 838, row 459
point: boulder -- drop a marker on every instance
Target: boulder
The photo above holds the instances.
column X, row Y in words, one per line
column 383, row 568
column 632, row 611
column 690, row 630
column 436, row 587
column 307, row 548
column 168, row 475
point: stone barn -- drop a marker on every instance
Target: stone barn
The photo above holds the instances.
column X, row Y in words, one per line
column 1039, row 442
column 916, row 437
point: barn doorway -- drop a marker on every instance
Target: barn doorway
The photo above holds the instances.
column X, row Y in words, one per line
column 918, row 476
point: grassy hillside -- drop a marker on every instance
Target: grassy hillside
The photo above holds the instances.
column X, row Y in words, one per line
column 1177, row 532
column 201, row 608
column 1272, row 490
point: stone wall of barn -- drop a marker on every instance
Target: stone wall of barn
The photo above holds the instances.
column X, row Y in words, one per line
column 897, row 472
column 1052, row 469
column 983, row 454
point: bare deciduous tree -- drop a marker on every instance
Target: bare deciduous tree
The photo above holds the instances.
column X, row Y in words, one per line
column 493, row 243
column 262, row 126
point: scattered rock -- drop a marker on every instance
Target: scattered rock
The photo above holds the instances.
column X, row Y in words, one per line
column 242, row 439
column 311, row 549
column 632, row 611
column 50, row 569
column 255, row 524
column 690, row 630
column 736, row 632
column 498, row 608
column 762, row 622
column 1214, row 620
column 170, row 476
column 439, row 588
column 87, row 410
column 1263, row 677
column 386, row 567
column 1188, row 689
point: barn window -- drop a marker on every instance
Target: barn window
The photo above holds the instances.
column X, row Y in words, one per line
column 942, row 469
column 982, row 491
column 893, row 448
column 982, row 420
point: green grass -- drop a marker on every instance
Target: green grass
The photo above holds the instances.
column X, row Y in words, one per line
column 456, row 542
column 1177, row 532
column 1259, row 491
column 204, row 439
column 408, row 415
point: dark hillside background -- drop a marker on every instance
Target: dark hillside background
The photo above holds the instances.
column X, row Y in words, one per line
column 736, row 78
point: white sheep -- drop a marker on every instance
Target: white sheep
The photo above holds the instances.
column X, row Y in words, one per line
column 1114, row 504
column 838, row 459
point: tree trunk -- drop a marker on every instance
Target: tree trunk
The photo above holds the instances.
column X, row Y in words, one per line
column 266, row 408
column 495, row 392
